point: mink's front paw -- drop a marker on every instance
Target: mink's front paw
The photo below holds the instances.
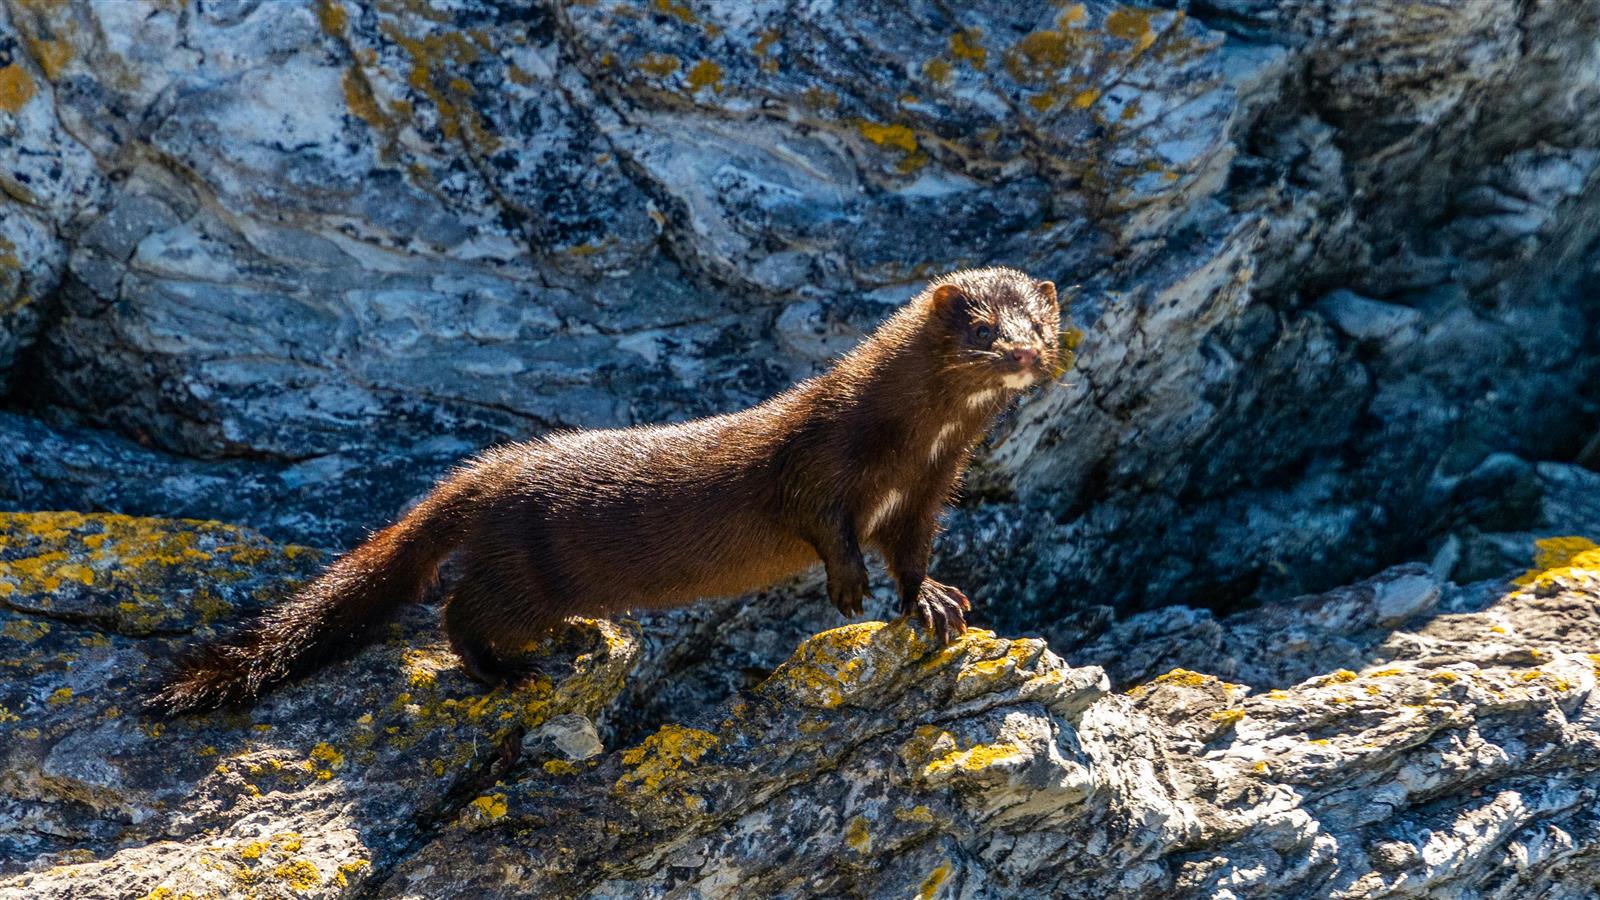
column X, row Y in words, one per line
column 847, row 588
column 941, row 608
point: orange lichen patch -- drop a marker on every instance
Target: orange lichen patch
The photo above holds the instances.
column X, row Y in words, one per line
column 936, row 71
column 1560, row 557
column 659, row 64
column 332, row 17
column 679, row 11
column 52, row 55
column 1340, row 676
column 1086, row 98
column 16, row 88
column 765, row 42
column 1132, row 25
column 893, row 135
column 705, row 73
column 1039, row 55
column 431, row 56
column 899, row 137
column 930, row 885
column 359, row 100
column 964, row 45
column 1228, row 716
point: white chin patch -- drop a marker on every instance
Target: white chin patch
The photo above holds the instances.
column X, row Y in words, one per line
column 1018, row 380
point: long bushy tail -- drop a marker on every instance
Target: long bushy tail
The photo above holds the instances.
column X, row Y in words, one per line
column 334, row 615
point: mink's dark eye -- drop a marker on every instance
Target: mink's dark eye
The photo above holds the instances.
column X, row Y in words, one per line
column 983, row 332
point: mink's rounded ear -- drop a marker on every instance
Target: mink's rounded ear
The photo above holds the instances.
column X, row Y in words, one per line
column 947, row 298
column 1046, row 288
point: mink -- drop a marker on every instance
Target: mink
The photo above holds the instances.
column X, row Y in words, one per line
column 589, row 523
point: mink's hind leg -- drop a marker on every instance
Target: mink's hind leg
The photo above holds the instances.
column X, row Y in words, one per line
column 490, row 617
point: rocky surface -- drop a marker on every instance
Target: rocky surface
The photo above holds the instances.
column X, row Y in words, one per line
column 335, row 241
column 1406, row 736
column 309, row 793
column 280, row 264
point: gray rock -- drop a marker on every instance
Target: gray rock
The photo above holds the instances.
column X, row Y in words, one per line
column 335, row 229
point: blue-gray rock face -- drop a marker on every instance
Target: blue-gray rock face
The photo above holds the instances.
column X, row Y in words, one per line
column 1332, row 257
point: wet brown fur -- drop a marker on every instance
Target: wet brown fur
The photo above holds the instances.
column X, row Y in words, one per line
column 596, row 522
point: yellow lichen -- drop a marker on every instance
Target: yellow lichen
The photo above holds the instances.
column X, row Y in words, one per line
column 491, row 806
column 917, row 813
column 930, row 885
column 889, row 135
column 663, row 755
column 1177, row 677
column 1132, row 25
column 347, row 869
column 52, row 55
column 858, row 836
column 705, row 73
column 299, row 874
column 359, row 100
column 559, row 767
column 16, row 88
column 964, row 45
column 680, row 11
column 60, row 696
column 659, row 64
column 976, row 758
column 936, row 71
column 325, row 753
column 1227, row 716
column 1559, row 557
column 24, row 631
column 332, row 17
column 449, row 93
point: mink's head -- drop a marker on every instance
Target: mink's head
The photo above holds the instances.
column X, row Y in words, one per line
column 996, row 327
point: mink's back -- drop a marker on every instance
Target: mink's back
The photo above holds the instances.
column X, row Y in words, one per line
column 649, row 516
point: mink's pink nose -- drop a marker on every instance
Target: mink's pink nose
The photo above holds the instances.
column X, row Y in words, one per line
column 1024, row 356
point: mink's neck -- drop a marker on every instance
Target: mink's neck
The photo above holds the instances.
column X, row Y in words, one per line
column 897, row 383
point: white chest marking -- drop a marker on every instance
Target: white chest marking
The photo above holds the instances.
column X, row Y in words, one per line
column 1018, row 380
column 886, row 505
column 982, row 398
column 939, row 440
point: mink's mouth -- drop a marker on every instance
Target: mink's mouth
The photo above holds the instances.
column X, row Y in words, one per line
column 1017, row 379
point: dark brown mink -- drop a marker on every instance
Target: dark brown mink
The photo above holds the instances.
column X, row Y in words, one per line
column 863, row 456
